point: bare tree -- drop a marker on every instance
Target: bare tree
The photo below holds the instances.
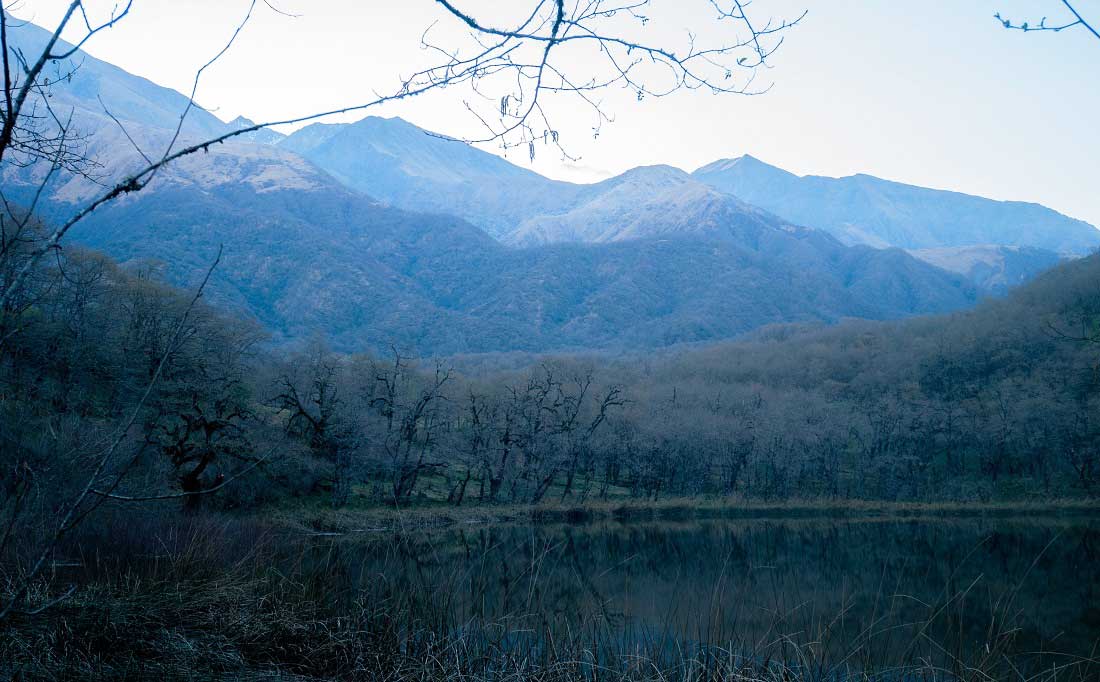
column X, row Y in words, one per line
column 411, row 419
column 313, row 410
column 578, row 436
column 30, row 130
column 477, row 428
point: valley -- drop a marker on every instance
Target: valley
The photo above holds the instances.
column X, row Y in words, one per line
column 348, row 398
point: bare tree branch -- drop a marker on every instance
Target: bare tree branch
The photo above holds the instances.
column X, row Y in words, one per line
column 178, row 496
column 1026, row 26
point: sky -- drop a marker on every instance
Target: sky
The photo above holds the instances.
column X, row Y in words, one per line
column 933, row 93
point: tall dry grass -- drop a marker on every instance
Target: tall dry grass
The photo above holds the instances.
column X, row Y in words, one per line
column 208, row 598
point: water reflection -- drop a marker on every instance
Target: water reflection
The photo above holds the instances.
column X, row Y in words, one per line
column 879, row 590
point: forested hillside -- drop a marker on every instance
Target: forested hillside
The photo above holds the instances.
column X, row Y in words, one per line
column 325, row 261
column 994, row 403
column 994, row 269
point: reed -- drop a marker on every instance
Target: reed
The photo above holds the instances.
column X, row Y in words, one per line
column 207, row 598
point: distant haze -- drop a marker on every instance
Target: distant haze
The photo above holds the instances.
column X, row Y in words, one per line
column 932, row 94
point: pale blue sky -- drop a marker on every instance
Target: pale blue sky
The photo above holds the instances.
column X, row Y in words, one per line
column 932, row 93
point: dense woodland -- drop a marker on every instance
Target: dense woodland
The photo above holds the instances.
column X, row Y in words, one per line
column 996, row 403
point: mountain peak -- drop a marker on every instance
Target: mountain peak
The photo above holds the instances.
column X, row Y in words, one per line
column 742, row 163
column 261, row 136
column 241, row 122
column 749, row 158
column 308, row 138
column 398, row 162
column 659, row 173
column 391, row 120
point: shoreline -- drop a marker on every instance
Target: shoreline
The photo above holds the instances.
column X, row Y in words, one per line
column 382, row 519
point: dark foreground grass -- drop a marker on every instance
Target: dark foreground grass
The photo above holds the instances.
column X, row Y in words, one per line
column 208, row 598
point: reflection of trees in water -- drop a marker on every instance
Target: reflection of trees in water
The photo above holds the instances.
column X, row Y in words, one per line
column 882, row 583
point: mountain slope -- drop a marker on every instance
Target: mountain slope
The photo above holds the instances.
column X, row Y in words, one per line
column 397, row 162
column 406, row 166
column 648, row 202
column 366, row 276
column 862, row 209
column 995, row 269
column 128, row 97
column 305, row 254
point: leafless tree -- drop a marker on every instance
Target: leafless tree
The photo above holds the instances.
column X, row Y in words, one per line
column 411, row 417
column 30, row 130
column 477, row 428
column 313, row 410
column 577, row 436
column 536, row 403
column 500, row 448
column 518, row 58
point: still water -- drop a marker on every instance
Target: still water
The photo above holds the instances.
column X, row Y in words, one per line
column 870, row 593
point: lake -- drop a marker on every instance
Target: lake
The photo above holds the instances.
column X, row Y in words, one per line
column 1017, row 594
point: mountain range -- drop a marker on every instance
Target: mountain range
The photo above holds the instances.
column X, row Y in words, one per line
column 397, row 162
column 377, row 233
column 994, row 244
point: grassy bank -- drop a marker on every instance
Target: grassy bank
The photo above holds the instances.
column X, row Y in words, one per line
column 316, row 517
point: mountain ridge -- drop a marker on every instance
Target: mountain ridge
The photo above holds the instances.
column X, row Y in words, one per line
column 521, row 207
column 648, row 202
column 862, row 208
column 128, row 96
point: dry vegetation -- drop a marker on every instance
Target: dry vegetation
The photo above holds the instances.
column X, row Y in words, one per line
column 226, row 599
